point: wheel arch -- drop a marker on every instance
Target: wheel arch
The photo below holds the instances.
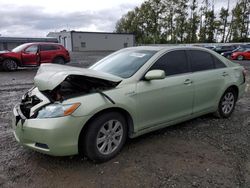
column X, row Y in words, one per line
column 235, row 88
column 125, row 113
column 243, row 56
column 19, row 63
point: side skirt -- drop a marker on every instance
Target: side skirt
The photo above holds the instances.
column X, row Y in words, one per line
column 164, row 125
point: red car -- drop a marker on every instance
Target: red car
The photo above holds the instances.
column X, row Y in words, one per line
column 241, row 55
column 33, row 54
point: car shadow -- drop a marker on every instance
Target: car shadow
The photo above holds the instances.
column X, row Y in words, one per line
column 175, row 130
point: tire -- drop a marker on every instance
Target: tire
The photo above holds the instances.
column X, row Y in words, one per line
column 228, row 56
column 59, row 60
column 9, row 65
column 240, row 58
column 227, row 104
column 110, row 130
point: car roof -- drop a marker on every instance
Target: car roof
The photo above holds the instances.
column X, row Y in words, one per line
column 30, row 43
column 161, row 48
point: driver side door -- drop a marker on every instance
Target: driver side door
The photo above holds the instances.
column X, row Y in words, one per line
column 164, row 100
column 30, row 56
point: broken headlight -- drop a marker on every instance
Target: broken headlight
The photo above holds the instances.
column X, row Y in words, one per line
column 57, row 110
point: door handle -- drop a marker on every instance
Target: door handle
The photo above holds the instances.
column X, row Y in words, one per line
column 224, row 74
column 187, row 82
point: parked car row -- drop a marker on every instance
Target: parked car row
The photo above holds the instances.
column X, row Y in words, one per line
column 235, row 52
column 33, row 54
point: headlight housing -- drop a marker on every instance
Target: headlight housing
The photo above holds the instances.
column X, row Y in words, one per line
column 57, row 110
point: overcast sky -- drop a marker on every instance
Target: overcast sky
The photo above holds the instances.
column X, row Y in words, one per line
column 35, row 18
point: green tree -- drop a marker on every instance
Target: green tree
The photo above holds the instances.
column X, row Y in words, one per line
column 193, row 23
column 240, row 21
column 180, row 20
column 224, row 13
column 186, row 21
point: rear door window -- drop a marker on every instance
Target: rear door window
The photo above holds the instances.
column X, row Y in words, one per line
column 200, row 60
column 172, row 63
column 48, row 47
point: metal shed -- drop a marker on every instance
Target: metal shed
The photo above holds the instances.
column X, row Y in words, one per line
column 80, row 41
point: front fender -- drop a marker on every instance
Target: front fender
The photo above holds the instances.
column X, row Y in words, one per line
column 91, row 104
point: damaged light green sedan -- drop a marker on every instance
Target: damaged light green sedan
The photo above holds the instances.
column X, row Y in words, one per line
column 128, row 93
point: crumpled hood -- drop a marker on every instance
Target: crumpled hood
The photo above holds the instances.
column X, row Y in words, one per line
column 50, row 76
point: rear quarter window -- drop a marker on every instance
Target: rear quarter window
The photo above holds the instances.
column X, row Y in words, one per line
column 200, row 60
column 218, row 63
column 49, row 47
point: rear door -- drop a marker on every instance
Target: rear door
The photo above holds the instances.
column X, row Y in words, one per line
column 160, row 101
column 209, row 75
column 30, row 56
column 48, row 52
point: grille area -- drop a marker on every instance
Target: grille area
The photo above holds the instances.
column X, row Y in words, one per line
column 27, row 103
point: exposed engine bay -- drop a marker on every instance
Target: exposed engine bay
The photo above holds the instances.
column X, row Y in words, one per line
column 72, row 86
column 76, row 85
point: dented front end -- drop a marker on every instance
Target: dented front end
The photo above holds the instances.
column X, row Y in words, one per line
column 56, row 83
column 73, row 86
column 43, row 121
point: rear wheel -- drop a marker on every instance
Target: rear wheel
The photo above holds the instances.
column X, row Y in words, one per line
column 59, row 60
column 240, row 57
column 227, row 104
column 104, row 137
column 9, row 65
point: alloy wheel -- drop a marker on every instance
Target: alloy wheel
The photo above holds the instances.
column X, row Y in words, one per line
column 109, row 137
column 240, row 57
column 228, row 103
column 10, row 65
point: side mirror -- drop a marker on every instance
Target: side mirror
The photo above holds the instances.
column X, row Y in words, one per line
column 155, row 75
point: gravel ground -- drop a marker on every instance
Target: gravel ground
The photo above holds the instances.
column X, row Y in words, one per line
column 204, row 152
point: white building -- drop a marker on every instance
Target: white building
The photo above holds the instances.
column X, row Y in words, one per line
column 78, row 41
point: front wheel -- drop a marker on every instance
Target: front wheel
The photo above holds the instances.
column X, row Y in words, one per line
column 105, row 137
column 227, row 104
column 240, row 57
column 9, row 65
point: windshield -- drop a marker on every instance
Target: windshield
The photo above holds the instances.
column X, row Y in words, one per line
column 125, row 63
column 19, row 48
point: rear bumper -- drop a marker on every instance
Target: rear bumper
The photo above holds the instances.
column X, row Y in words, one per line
column 242, row 89
column 53, row 136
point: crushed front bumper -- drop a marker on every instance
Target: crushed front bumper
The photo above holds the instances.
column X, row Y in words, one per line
column 53, row 136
